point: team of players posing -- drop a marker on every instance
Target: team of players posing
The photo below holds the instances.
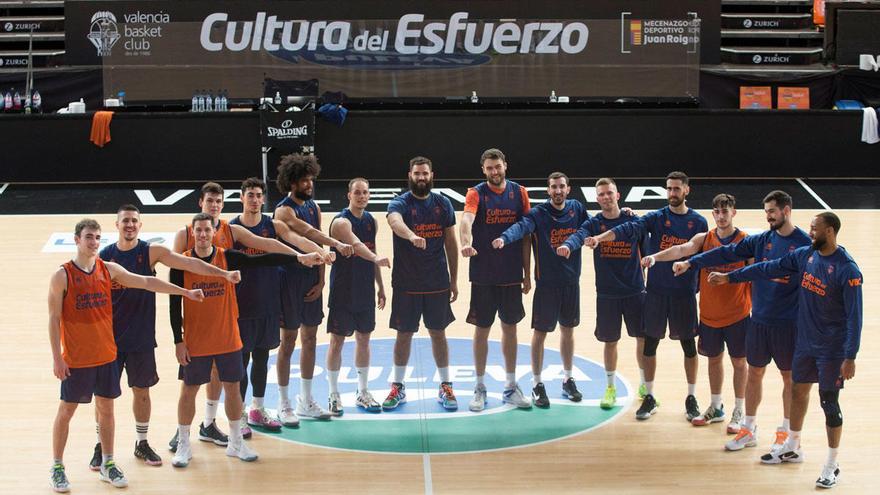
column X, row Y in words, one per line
column 102, row 306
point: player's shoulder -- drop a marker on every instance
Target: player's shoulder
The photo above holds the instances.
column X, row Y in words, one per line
column 801, row 235
column 107, row 251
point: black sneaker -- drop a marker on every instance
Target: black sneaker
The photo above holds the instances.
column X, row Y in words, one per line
column 649, row 406
column 570, row 391
column 539, row 396
column 691, row 409
column 213, row 434
column 95, row 463
column 172, row 445
column 142, row 450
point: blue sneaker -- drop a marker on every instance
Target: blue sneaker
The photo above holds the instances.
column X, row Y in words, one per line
column 447, row 397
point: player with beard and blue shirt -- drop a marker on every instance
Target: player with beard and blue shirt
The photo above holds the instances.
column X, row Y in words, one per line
column 829, row 323
column 424, row 277
column 669, row 299
column 772, row 328
column 557, row 279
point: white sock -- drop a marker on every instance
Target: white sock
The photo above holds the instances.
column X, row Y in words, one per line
column 649, row 386
column 480, row 379
column 566, row 374
column 235, row 432
column 536, row 379
column 786, row 423
column 609, row 376
column 739, row 403
column 333, row 380
column 98, row 432
column 283, row 394
column 641, row 376
column 749, row 423
column 141, row 430
column 363, row 378
column 692, row 388
column 794, row 439
column 257, row 402
column 183, row 434
column 305, row 389
column 399, row 373
column 444, row 374
column 832, row 457
column 511, row 380
column 105, row 458
column 716, row 401
column 210, row 412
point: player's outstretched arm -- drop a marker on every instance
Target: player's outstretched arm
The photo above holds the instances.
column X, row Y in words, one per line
column 465, row 230
column 398, row 226
column 690, row 248
column 191, row 264
column 304, row 244
column 340, row 230
column 152, row 284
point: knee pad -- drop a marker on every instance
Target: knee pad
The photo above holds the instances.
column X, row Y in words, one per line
column 689, row 346
column 833, row 415
column 651, row 346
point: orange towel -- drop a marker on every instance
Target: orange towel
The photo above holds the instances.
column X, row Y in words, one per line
column 101, row 128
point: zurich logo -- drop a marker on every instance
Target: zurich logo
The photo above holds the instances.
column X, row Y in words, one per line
column 757, row 59
column 747, row 23
column 421, row 425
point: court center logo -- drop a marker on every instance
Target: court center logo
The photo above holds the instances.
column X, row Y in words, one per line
column 104, row 32
column 421, row 425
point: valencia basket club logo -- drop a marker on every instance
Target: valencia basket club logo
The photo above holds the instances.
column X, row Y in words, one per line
column 421, row 425
column 103, row 33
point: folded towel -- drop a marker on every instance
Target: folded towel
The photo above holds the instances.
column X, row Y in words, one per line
column 101, row 128
column 869, row 126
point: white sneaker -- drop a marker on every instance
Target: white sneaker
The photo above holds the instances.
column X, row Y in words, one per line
column 286, row 415
column 334, row 405
column 182, row 456
column 311, row 409
column 366, row 402
column 478, row 402
column 735, row 423
column 111, row 473
column 242, row 451
column 829, row 477
column 744, row 438
column 515, row 397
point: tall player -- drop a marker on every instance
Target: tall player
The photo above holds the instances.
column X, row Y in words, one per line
column 351, row 302
column 557, row 287
column 498, row 279
column 620, row 284
column 829, row 322
column 669, row 299
column 134, row 320
column 302, row 307
column 83, row 345
column 259, row 300
column 724, row 312
column 424, row 278
column 207, row 336
column 772, row 331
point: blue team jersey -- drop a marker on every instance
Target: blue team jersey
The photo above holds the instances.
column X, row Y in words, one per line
column 551, row 227
column 495, row 213
column 309, row 213
column 422, row 270
column 774, row 301
column 258, row 293
column 665, row 229
column 352, row 279
column 829, row 288
column 617, row 263
column 134, row 310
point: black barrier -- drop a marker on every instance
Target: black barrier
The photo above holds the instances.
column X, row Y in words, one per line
column 288, row 131
column 163, row 50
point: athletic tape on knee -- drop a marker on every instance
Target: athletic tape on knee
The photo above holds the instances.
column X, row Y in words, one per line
column 831, row 406
column 689, row 346
column 651, row 344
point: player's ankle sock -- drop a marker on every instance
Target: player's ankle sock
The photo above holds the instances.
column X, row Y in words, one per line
column 183, row 433
column 444, row 374
column 786, row 423
column 105, row 458
column 141, row 430
column 305, row 388
column 692, row 388
column 210, row 412
column 399, row 373
column 832, row 457
column 480, row 379
column 739, row 403
column 749, row 423
column 566, row 374
column 641, row 376
column 609, row 377
column 716, row 401
column 511, row 380
column 283, row 394
column 98, row 432
column 649, row 386
column 257, row 402
column 536, row 379
column 333, row 380
column 363, row 378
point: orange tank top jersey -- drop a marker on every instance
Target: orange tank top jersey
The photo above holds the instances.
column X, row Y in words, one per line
column 723, row 305
column 211, row 327
column 87, row 317
column 223, row 237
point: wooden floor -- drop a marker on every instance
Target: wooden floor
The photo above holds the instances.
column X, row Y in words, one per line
column 662, row 455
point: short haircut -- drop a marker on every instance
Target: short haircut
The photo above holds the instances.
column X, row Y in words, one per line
column 86, row 223
column 352, row 182
column 128, row 207
column 294, row 167
column 420, row 160
column 606, row 181
column 557, row 175
column 781, row 198
column 830, row 220
column 724, row 200
column 253, row 183
column 201, row 217
column 676, row 175
column 210, row 188
column 492, row 154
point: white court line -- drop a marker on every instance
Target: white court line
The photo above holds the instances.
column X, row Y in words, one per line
column 813, row 194
column 3, row 188
column 426, row 465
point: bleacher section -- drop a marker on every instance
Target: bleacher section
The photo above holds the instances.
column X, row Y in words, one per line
column 769, row 32
column 19, row 21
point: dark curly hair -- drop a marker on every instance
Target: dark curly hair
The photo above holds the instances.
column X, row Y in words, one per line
column 294, row 167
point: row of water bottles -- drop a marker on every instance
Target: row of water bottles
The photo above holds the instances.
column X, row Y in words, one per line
column 205, row 101
column 13, row 101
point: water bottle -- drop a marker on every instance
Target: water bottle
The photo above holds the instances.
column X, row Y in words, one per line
column 37, row 101
column 224, row 102
column 201, row 105
column 209, row 102
column 218, row 105
column 474, row 98
column 195, row 102
column 553, row 96
column 16, row 102
column 7, row 101
column 121, row 96
column 277, row 97
column 27, row 103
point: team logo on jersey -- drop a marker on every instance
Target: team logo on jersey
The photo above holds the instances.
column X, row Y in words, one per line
column 667, row 223
column 791, row 248
column 437, row 210
column 830, row 269
column 810, row 259
column 422, row 426
column 768, row 247
column 140, row 259
column 510, row 195
column 690, row 224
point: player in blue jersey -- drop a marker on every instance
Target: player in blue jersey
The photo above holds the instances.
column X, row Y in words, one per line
column 772, row 329
column 557, row 287
column 134, row 320
column 498, row 279
column 301, row 288
column 424, row 278
column 620, row 284
column 669, row 299
column 352, row 302
column 829, row 323
column 259, row 301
